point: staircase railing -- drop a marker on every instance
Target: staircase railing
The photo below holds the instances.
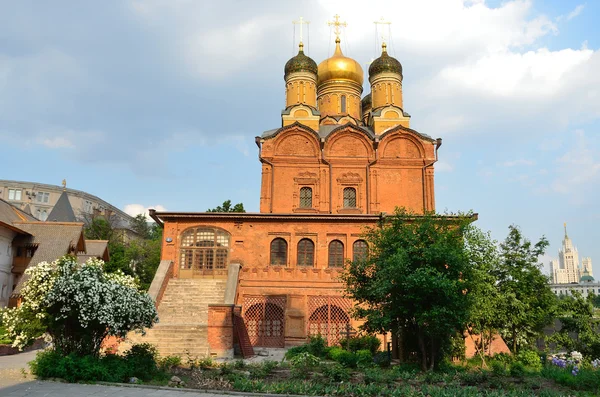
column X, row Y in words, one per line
column 163, row 274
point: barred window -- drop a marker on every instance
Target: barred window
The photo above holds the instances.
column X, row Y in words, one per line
column 349, row 197
column 306, row 252
column 204, row 248
column 336, row 254
column 306, row 197
column 279, row 252
column 360, row 249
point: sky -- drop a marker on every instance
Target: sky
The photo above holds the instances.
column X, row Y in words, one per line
column 156, row 103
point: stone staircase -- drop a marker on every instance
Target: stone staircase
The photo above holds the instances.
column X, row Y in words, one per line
column 183, row 317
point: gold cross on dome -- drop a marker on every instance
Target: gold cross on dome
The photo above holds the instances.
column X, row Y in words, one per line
column 301, row 22
column 64, row 184
column 336, row 23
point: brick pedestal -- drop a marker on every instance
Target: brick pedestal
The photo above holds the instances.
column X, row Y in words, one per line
column 220, row 330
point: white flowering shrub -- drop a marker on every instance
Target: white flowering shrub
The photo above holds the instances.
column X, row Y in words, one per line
column 79, row 305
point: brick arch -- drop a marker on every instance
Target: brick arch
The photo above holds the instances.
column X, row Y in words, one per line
column 349, row 143
column 264, row 317
column 296, row 143
column 401, row 145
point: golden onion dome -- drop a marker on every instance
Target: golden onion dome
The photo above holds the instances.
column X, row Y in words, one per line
column 339, row 67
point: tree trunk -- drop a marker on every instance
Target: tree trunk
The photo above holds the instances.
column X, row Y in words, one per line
column 422, row 349
column 432, row 358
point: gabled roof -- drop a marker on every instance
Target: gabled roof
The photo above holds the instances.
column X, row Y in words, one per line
column 9, row 213
column 95, row 249
column 53, row 241
column 62, row 211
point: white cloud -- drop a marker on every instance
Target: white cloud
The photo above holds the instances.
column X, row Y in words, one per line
column 58, row 142
column 518, row 162
column 137, row 209
column 575, row 12
column 443, row 166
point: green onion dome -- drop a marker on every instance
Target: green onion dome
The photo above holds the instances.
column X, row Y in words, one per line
column 300, row 63
column 366, row 102
column 385, row 63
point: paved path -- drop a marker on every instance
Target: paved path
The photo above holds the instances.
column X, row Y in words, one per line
column 54, row 389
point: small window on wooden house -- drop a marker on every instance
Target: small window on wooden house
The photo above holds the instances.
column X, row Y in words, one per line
column 279, row 252
column 306, row 197
column 336, row 254
column 349, row 197
column 306, row 252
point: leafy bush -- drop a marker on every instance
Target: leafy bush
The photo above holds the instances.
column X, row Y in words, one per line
column 367, row 342
column 140, row 362
column 530, row 358
column 142, row 359
column 317, row 346
column 296, row 350
column 335, row 372
column 305, row 360
column 382, row 359
column 347, row 359
column 504, row 358
column 498, row 368
column 169, row 362
column 335, row 352
column 474, row 378
column 517, row 369
column 364, row 358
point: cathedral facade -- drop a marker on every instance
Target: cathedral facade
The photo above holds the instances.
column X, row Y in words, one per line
column 339, row 161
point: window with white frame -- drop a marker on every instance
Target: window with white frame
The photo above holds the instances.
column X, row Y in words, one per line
column 42, row 197
column 87, row 206
column 42, row 214
column 14, row 194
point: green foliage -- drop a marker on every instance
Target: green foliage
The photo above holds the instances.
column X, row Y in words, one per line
column 517, row 369
column 143, row 359
column 527, row 299
column 474, row 378
column 5, row 339
column 335, row 372
column 416, row 275
column 317, row 346
column 305, row 360
column 587, row 379
column 226, row 207
column 578, row 318
column 498, row 368
column 140, row 362
column 296, row 350
column 367, row 342
column 364, row 358
column 346, row 358
column 530, row 358
column 139, row 224
column 167, row 363
column 382, row 359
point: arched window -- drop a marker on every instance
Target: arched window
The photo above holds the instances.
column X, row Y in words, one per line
column 305, row 197
column 349, row 197
column 204, row 249
column 306, row 252
column 336, row 254
column 359, row 249
column 343, row 104
column 279, row 252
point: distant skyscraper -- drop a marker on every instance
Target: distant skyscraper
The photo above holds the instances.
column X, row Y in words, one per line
column 567, row 268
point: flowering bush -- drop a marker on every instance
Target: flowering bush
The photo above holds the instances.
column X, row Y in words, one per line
column 79, row 305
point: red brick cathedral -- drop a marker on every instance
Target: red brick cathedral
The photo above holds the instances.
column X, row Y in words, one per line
column 338, row 161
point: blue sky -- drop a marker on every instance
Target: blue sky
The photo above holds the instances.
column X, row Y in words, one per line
column 133, row 101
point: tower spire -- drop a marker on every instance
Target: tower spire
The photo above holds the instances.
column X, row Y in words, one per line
column 566, row 235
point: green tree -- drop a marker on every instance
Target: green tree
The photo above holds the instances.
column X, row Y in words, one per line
column 578, row 319
column 226, row 207
column 98, row 228
column 527, row 299
column 139, row 224
column 488, row 312
column 415, row 279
